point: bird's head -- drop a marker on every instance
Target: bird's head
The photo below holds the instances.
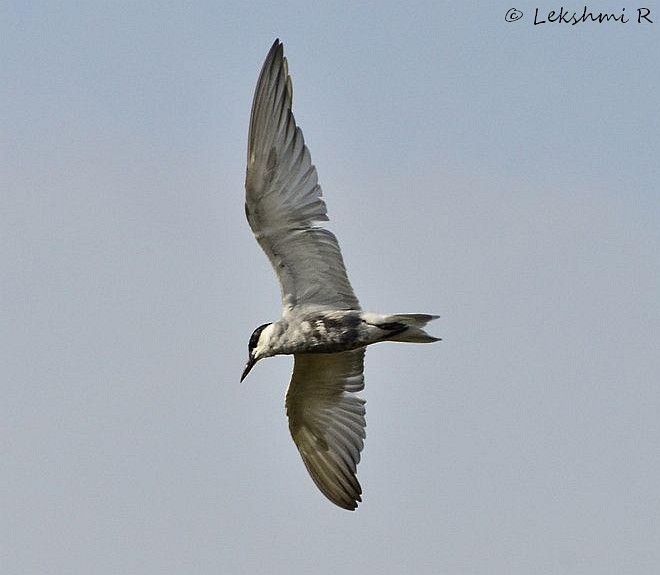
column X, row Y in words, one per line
column 257, row 347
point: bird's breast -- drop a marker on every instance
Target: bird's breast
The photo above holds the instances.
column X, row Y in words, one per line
column 326, row 332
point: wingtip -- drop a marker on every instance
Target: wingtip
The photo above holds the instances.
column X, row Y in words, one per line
column 352, row 506
column 277, row 45
column 274, row 57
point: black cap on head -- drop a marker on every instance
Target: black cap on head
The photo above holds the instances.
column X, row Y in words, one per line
column 254, row 340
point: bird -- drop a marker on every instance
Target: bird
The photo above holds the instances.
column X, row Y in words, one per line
column 322, row 324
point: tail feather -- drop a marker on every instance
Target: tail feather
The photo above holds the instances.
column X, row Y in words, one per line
column 413, row 319
column 412, row 324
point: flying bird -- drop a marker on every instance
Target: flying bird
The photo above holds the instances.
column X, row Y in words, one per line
column 322, row 323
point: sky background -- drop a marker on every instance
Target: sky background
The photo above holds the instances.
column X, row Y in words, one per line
column 503, row 175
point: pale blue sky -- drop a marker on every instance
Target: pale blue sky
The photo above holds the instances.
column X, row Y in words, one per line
column 502, row 175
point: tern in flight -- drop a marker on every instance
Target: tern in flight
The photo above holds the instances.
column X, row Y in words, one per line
column 322, row 324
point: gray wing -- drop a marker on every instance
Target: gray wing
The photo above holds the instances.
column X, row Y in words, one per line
column 327, row 422
column 283, row 200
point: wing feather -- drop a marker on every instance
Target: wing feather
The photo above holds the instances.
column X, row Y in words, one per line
column 283, row 200
column 327, row 420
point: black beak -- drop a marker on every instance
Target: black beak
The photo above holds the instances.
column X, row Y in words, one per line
column 248, row 366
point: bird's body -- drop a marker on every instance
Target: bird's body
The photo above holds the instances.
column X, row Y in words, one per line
column 337, row 330
column 322, row 322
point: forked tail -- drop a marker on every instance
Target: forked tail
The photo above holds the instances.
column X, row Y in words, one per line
column 407, row 327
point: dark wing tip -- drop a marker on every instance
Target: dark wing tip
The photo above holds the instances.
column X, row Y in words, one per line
column 276, row 52
column 346, row 499
column 273, row 71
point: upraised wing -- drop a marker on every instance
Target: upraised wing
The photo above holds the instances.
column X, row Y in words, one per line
column 283, row 200
column 327, row 422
